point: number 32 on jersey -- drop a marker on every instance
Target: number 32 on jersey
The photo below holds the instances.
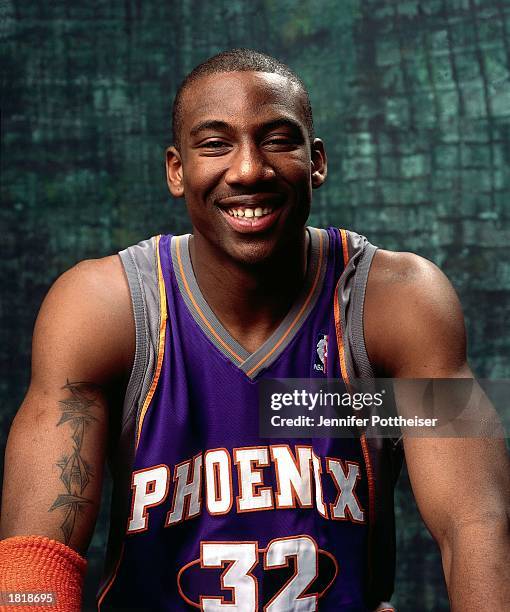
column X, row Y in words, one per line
column 238, row 560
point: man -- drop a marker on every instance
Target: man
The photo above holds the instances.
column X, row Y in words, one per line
column 159, row 351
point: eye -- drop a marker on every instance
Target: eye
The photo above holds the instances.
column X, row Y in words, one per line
column 213, row 144
column 278, row 140
column 213, row 147
column 279, row 143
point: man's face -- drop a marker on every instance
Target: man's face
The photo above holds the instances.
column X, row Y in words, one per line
column 246, row 166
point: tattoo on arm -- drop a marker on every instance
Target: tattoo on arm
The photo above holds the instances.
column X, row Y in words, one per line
column 77, row 411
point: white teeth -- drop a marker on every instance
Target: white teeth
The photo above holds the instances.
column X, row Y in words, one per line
column 266, row 211
column 258, row 212
column 248, row 212
column 240, row 212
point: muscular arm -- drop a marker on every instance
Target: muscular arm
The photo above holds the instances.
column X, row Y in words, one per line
column 414, row 329
column 82, row 346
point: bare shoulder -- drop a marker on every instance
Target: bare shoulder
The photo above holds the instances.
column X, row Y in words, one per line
column 101, row 274
column 86, row 323
column 402, row 271
column 413, row 320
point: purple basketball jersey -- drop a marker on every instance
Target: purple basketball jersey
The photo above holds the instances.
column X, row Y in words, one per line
column 215, row 517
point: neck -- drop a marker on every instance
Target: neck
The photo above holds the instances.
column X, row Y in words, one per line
column 250, row 300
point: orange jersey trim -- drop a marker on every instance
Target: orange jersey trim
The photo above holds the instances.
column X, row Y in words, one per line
column 345, row 248
column 339, row 338
column 161, row 344
column 338, row 326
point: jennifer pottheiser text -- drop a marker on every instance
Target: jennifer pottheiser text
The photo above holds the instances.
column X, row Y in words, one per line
column 351, row 421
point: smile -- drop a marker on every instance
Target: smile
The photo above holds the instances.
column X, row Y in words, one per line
column 252, row 213
column 250, row 219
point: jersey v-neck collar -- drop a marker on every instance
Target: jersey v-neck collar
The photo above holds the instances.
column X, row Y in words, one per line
column 251, row 363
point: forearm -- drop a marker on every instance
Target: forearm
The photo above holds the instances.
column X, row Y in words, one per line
column 475, row 561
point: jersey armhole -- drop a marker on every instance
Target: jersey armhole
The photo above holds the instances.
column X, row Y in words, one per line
column 140, row 265
column 355, row 327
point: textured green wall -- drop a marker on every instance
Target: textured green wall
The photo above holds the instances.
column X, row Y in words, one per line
column 413, row 102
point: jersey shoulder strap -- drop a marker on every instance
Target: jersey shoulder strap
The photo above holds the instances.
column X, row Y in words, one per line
column 358, row 254
column 141, row 266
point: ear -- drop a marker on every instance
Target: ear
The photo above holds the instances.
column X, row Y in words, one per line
column 174, row 172
column 319, row 163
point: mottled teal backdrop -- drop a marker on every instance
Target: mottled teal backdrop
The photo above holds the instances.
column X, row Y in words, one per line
column 413, row 102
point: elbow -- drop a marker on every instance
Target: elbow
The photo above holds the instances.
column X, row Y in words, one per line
column 490, row 528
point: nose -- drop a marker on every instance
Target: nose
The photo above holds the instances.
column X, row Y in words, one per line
column 248, row 166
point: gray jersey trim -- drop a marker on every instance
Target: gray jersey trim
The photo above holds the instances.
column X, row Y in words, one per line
column 141, row 266
column 355, row 331
column 351, row 295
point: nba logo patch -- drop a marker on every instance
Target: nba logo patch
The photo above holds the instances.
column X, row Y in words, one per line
column 321, row 354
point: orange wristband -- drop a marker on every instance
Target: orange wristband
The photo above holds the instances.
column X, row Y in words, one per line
column 35, row 565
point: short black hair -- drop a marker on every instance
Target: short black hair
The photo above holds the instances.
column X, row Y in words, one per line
column 238, row 60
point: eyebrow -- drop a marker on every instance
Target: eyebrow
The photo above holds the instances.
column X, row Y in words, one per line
column 210, row 125
column 214, row 124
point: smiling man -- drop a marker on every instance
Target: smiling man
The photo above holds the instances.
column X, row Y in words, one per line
column 163, row 357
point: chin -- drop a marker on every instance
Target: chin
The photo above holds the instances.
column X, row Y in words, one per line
column 253, row 253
